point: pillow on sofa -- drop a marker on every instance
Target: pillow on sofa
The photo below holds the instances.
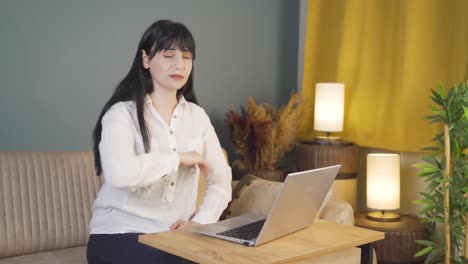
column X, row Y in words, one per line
column 252, row 195
column 256, row 195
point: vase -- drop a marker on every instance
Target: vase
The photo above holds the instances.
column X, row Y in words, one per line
column 270, row 175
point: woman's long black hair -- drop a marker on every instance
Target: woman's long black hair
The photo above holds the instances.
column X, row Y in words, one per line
column 161, row 35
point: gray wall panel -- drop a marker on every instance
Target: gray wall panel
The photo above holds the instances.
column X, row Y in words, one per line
column 61, row 60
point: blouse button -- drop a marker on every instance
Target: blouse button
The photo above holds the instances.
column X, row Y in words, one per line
column 175, row 116
column 174, row 149
column 172, row 183
column 171, row 132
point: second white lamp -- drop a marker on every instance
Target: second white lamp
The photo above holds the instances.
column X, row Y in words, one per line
column 383, row 186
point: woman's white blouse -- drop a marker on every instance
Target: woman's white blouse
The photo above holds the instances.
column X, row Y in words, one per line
column 147, row 192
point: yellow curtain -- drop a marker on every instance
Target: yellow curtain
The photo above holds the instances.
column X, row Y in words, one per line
column 389, row 54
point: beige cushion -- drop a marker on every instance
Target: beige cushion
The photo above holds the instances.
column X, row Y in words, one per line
column 75, row 255
column 46, row 200
column 252, row 195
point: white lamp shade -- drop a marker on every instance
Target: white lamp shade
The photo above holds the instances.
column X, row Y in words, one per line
column 329, row 107
column 383, row 181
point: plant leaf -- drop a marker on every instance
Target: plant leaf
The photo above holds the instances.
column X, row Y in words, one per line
column 423, row 251
column 427, row 243
column 431, row 149
column 434, row 253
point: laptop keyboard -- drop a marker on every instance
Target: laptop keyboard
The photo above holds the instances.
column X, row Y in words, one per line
column 245, row 232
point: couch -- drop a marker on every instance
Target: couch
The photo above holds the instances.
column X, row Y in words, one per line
column 47, row 199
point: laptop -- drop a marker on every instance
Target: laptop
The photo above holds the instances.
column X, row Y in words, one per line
column 295, row 208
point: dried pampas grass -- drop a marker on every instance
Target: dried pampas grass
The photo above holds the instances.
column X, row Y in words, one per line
column 262, row 133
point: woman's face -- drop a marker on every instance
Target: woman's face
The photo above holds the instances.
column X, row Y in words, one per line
column 169, row 68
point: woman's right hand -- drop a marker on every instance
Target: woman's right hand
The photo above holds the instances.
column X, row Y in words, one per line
column 190, row 159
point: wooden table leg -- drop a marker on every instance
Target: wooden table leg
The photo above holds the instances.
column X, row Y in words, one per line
column 366, row 253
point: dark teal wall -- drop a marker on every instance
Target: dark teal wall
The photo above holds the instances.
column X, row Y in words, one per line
column 60, row 60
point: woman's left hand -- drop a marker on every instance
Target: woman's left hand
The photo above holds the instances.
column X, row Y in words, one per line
column 181, row 224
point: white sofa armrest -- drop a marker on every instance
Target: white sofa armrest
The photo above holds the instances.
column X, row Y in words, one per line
column 338, row 211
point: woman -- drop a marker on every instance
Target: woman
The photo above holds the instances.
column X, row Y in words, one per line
column 150, row 142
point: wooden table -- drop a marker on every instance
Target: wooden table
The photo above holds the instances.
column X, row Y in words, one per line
column 321, row 238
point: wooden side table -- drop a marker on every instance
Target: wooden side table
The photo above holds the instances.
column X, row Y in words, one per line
column 398, row 245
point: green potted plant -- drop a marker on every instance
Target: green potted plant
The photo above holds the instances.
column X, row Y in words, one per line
column 262, row 134
column 446, row 172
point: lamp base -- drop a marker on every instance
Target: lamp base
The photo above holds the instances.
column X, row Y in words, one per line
column 383, row 216
column 327, row 138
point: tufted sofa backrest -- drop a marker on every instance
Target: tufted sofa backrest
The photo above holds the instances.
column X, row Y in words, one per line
column 46, row 200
